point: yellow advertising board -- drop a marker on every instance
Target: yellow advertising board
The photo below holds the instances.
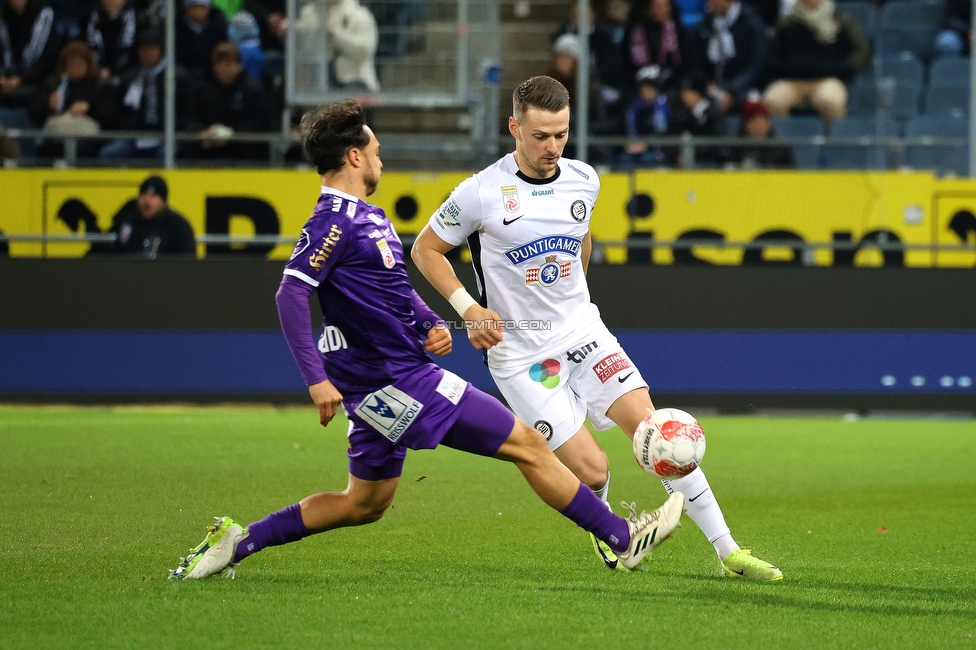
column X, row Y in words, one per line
column 727, row 208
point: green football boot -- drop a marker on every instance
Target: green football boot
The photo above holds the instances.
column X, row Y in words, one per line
column 741, row 564
column 214, row 554
column 606, row 554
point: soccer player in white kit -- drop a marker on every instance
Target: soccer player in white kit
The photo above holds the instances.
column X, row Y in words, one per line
column 526, row 220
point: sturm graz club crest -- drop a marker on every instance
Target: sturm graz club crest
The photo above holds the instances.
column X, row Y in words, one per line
column 578, row 210
column 544, row 428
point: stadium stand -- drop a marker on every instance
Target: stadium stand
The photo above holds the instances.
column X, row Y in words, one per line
column 938, row 158
column 807, row 156
column 949, row 71
column 911, row 13
column 858, row 157
column 947, row 101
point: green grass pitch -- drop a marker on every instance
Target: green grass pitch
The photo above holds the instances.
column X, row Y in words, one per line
column 871, row 521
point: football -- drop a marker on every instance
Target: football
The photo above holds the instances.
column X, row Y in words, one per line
column 669, row 443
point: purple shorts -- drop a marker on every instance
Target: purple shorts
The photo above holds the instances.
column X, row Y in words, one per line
column 428, row 408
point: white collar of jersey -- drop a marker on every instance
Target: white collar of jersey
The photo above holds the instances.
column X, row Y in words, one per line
column 334, row 192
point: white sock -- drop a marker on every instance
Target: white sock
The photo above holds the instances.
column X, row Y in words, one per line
column 604, row 491
column 704, row 510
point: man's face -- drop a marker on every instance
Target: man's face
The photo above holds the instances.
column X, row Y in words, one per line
column 150, row 205
column 197, row 13
column 76, row 68
column 113, row 7
column 647, row 92
column 720, row 7
column 812, row 4
column 758, row 126
column 226, row 71
column 540, row 138
column 661, row 10
column 690, row 97
column 564, row 64
column 149, row 55
column 372, row 165
column 17, row 5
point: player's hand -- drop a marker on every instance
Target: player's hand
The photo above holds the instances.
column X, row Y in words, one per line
column 439, row 341
column 327, row 398
column 484, row 327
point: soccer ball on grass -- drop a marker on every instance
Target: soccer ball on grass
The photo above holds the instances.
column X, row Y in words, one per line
column 669, row 443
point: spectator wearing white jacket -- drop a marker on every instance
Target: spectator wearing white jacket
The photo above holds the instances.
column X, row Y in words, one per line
column 353, row 38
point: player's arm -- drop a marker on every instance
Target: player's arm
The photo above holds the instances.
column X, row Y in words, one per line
column 296, row 324
column 429, row 254
column 587, row 248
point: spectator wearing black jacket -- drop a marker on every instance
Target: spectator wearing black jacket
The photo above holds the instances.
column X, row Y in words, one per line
column 228, row 102
column 697, row 113
column 147, row 227
column 29, row 48
column 732, row 48
column 198, row 32
column 956, row 36
column 111, row 34
column 657, row 38
column 140, row 100
column 817, row 49
column 756, row 125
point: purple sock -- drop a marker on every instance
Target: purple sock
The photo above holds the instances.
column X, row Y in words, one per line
column 592, row 515
column 280, row 527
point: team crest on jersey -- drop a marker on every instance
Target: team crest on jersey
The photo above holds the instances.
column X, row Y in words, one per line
column 303, row 243
column 549, row 273
column 388, row 260
column 578, row 210
column 510, row 198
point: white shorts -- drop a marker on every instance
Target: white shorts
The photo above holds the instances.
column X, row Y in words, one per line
column 558, row 390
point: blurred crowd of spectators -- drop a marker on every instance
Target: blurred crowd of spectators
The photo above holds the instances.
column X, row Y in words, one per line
column 669, row 67
column 80, row 67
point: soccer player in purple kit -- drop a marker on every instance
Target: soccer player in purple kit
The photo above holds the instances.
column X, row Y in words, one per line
column 372, row 359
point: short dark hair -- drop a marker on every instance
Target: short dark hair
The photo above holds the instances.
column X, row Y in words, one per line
column 542, row 92
column 330, row 131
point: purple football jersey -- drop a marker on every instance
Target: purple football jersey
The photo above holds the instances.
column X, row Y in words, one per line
column 375, row 325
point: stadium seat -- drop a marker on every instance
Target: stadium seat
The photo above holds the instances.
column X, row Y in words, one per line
column 858, row 157
column 917, row 39
column 947, row 101
column 904, row 66
column 950, row 71
column 902, row 100
column 911, row 13
column 807, row 156
column 732, row 124
column 864, row 12
column 938, row 158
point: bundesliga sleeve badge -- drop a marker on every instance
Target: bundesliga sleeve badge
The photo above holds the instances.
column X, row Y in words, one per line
column 510, row 198
column 388, row 260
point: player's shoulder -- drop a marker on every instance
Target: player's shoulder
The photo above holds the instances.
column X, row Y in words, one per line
column 580, row 171
column 492, row 174
column 335, row 207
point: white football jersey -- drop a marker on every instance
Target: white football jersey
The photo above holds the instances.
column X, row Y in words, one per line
column 526, row 237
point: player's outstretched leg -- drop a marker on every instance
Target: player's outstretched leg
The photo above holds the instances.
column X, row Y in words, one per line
column 631, row 539
column 705, row 511
column 227, row 543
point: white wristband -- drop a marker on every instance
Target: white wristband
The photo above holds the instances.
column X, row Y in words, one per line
column 461, row 300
